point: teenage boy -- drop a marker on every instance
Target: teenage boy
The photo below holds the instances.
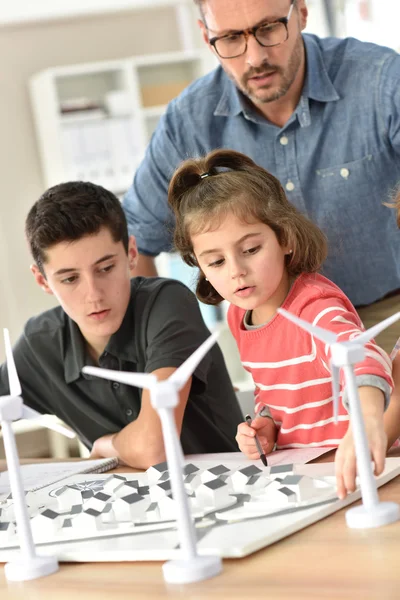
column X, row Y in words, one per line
column 82, row 254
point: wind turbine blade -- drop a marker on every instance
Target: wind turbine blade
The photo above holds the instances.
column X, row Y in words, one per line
column 46, row 421
column 30, row 413
column 182, row 374
column 366, row 336
column 322, row 334
column 13, row 381
column 141, row 380
column 336, row 391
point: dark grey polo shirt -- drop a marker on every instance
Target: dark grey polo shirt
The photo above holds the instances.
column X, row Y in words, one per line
column 161, row 328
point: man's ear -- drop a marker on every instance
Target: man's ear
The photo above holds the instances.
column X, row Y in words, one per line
column 204, row 33
column 133, row 254
column 40, row 279
column 303, row 13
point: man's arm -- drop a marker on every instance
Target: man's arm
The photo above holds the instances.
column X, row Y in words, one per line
column 140, row 444
column 145, row 204
column 145, row 267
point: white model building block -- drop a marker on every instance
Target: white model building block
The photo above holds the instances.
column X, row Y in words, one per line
column 107, row 514
column 212, row 492
column 98, row 501
column 33, row 501
column 128, row 487
column 130, row 507
column 8, row 511
column 67, row 525
column 152, row 513
column 190, row 469
column 300, row 484
column 167, row 508
column 156, row 471
column 160, row 490
column 67, row 497
column 192, row 482
column 88, row 521
column 280, row 471
column 277, row 494
column 7, row 531
column 240, row 478
column 46, row 524
column 112, row 483
column 213, row 473
column 76, row 510
column 255, row 483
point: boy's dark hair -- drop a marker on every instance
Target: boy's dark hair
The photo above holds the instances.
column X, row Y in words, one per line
column 69, row 211
column 203, row 191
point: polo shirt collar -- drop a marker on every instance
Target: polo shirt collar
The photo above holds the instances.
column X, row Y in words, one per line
column 121, row 344
column 317, row 86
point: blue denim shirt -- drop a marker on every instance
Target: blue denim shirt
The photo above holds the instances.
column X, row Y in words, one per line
column 338, row 157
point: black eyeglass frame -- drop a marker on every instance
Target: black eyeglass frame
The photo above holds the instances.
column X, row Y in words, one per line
column 253, row 31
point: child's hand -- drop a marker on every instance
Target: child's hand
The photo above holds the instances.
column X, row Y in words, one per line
column 345, row 460
column 266, row 431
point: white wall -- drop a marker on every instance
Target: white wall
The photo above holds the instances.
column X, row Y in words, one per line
column 36, row 10
column 374, row 21
column 25, row 49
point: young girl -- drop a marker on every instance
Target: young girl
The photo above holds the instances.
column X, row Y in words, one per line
column 254, row 249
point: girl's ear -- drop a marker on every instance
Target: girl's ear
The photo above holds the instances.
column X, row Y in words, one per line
column 40, row 279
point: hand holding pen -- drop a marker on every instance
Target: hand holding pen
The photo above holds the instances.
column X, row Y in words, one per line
column 261, row 427
column 257, row 441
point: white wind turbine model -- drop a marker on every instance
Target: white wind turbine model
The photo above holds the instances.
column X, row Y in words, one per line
column 164, row 398
column 344, row 355
column 28, row 565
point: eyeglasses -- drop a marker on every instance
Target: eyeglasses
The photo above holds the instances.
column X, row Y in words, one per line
column 267, row 34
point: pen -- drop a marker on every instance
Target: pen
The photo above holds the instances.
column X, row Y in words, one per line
column 395, row 350
column 259, row 448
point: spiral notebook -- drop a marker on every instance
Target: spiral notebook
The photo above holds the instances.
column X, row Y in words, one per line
column 38, row 475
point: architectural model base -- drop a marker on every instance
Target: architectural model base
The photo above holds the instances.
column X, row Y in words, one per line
column 383, row 513
column 189, row 571
column 23, row 569
column 236, row 509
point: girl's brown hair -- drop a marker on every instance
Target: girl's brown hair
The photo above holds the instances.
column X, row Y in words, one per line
column 203, row 191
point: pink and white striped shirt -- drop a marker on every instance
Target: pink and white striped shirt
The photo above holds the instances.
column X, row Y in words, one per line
column 290, row 368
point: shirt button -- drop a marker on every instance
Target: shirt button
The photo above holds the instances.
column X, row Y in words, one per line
column 129, row 412
column 344, row 173
column 290, row 186
column 284, row 141
column 115, row 385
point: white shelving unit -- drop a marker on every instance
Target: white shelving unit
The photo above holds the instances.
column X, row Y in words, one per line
column 94, row 120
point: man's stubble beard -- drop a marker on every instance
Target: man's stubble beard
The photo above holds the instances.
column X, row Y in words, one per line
column 287, row 77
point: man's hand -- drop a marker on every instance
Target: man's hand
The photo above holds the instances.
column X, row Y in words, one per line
column 266, row 431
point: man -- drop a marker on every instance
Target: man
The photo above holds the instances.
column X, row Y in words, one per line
column 78, row 238
column 321, row 115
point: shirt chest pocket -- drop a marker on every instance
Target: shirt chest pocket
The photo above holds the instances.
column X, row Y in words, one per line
column 348, row 193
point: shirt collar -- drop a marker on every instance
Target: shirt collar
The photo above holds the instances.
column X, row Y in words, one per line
column 121, row 344
column 75, row 356
column 317, row 86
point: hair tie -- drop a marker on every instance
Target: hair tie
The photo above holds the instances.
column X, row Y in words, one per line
column 204, row 175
